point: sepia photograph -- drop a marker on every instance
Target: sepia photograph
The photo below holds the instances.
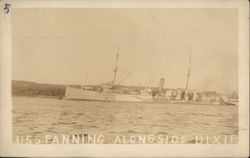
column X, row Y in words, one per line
column 124, row 79
column 125, row 76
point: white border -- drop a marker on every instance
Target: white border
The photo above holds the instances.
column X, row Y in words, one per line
column 9, row 149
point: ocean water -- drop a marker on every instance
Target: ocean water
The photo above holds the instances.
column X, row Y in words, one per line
column 46, row 119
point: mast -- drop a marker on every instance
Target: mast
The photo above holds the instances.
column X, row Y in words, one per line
column 116, row 66
column 188, row 74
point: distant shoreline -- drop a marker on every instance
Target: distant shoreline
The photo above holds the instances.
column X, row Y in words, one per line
column 37, row 96
column 32, row 89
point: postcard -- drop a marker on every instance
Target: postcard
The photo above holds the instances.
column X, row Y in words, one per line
column 124, row 78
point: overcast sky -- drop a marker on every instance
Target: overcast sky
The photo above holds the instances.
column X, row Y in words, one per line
column 78, row 46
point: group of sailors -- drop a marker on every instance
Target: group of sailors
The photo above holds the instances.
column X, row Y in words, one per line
column 184, row 95
column 175, row 95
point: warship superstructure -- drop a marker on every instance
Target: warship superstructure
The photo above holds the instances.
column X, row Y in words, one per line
column 107, row 91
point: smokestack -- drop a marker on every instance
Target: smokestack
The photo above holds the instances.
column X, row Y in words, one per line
column 161, row 84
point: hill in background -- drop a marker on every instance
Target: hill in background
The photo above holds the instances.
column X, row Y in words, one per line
column 25, row 88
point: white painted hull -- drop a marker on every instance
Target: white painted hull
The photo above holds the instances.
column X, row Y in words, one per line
column 81, row 94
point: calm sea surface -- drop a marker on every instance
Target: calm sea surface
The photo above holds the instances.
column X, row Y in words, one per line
column 46, row 116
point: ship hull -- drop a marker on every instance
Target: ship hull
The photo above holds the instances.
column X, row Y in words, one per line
column 81, row 94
